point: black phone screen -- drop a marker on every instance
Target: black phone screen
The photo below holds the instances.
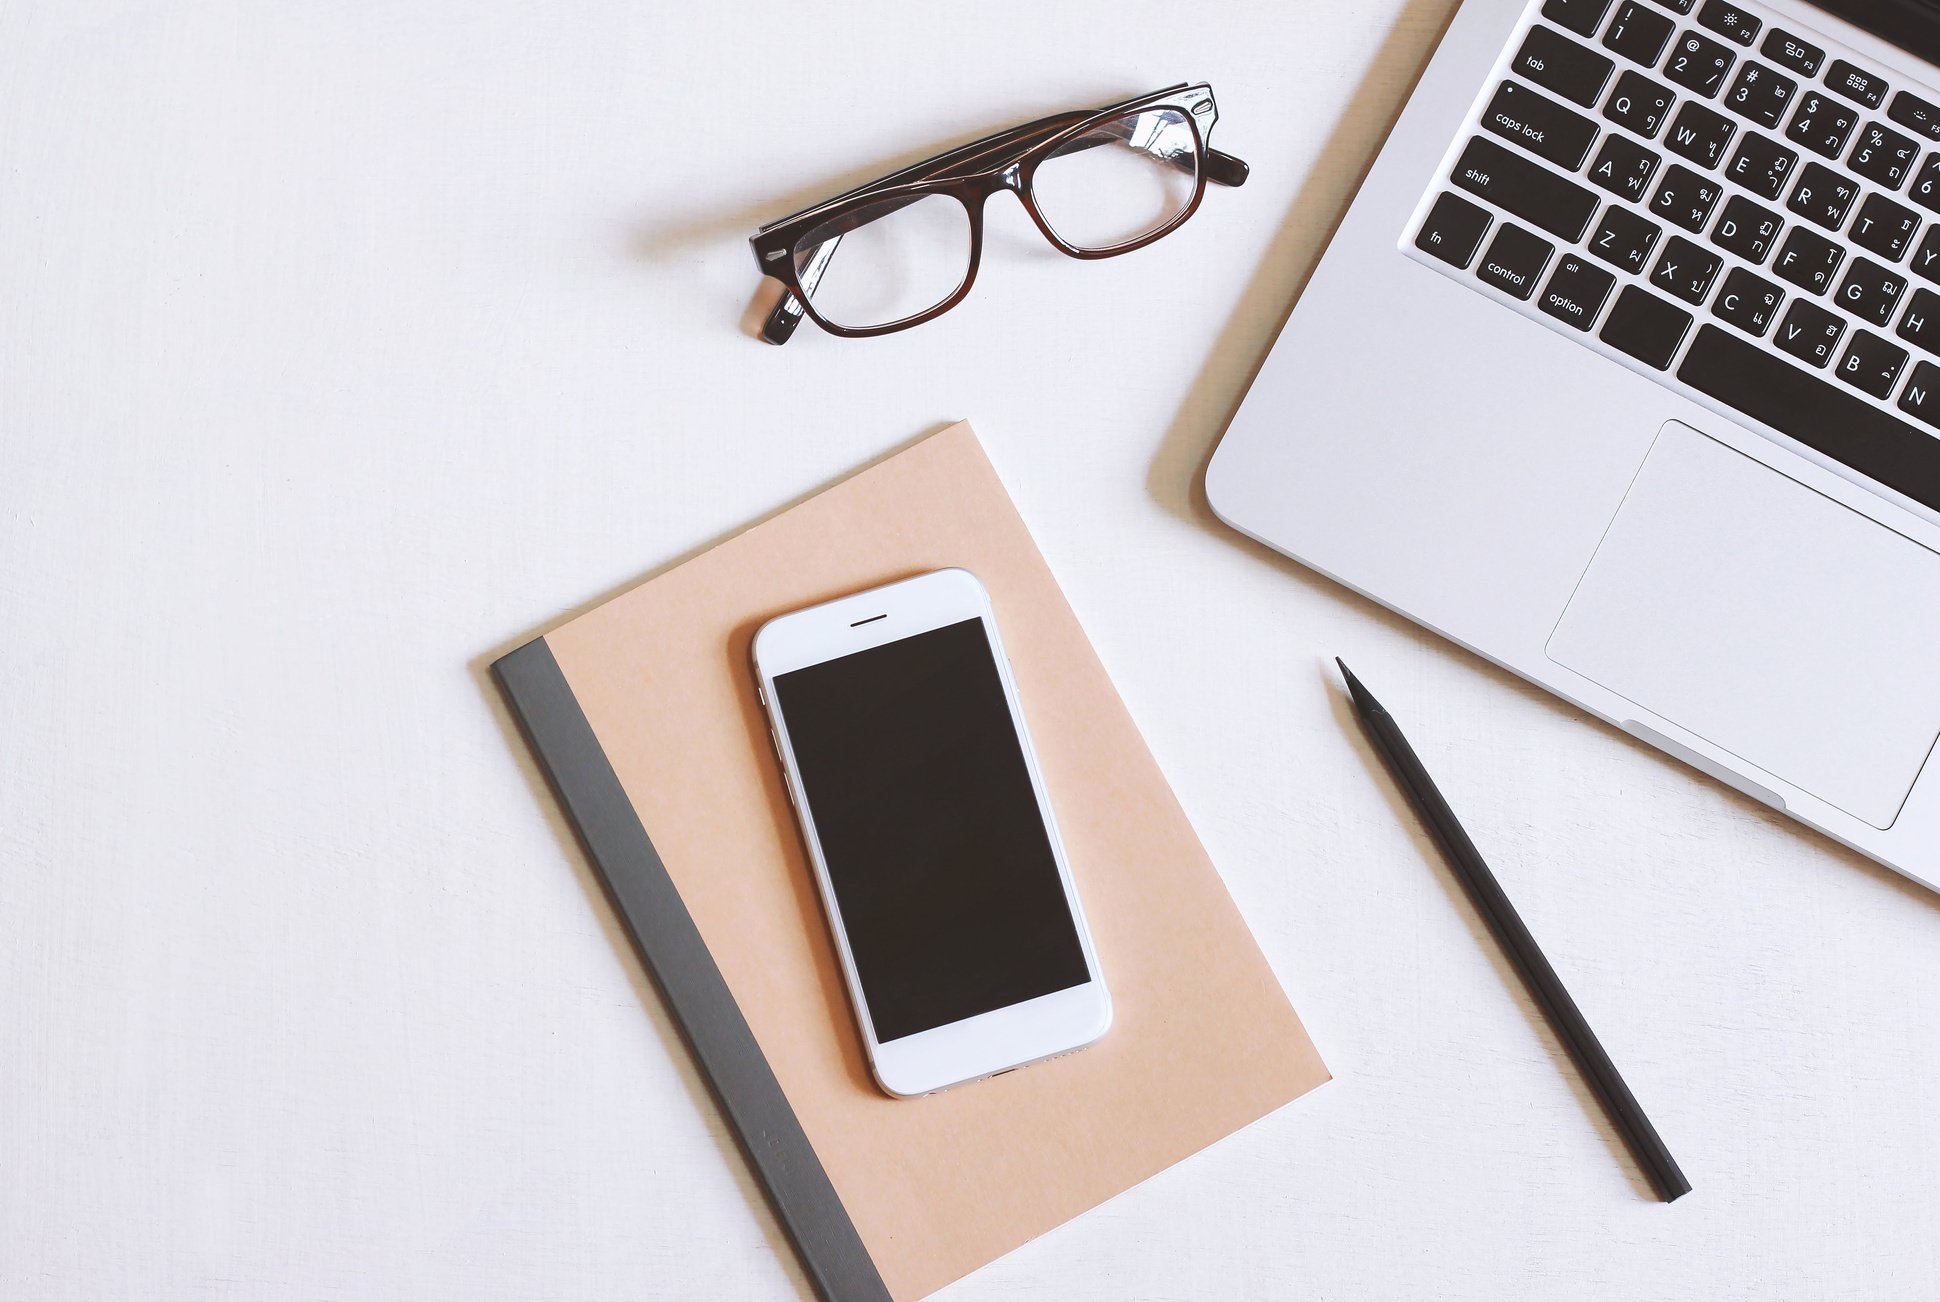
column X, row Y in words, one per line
column 939, row 858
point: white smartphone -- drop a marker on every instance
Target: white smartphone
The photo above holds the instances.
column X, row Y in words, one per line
column 930, row 832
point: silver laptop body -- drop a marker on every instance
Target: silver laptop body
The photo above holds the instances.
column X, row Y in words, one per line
column 1619, row 372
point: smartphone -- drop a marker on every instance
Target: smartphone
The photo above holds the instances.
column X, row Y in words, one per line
column 930, row 833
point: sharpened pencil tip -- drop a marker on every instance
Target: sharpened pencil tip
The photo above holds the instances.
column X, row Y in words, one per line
column 1362, row 697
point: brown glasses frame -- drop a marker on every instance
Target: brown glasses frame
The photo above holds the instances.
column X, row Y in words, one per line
column 970, row 174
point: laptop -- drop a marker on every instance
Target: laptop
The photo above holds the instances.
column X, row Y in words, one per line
column 1623, row 372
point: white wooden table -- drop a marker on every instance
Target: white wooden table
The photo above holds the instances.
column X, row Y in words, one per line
column 344, row 345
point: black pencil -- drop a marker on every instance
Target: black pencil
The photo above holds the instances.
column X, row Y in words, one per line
column 1514, row 937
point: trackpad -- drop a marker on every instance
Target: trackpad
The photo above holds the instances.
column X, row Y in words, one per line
column 1769, row 620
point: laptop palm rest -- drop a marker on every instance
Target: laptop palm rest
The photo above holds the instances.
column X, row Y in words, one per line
column 1767, row 619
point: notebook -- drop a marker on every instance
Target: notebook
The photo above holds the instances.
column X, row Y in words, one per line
column 643, row 714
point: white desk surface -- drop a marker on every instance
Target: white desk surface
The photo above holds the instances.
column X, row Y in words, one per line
column 344, row 346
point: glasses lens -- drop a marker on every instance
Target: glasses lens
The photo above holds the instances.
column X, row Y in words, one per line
column 886, row 261
column 1121, row 180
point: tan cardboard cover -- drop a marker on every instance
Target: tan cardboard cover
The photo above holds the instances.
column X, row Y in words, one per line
column 1204, row 1040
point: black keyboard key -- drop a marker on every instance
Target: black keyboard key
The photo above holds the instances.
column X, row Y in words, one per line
column 1622, row 166
column 1915, row 114
column 1699, row 134
column 1783, row 48
column 1856, row 83
column 1540, row 125
column 1646, row 327
column 1638, row 33
column 1638, row 104
column 1559, row 206
column 1686, row 270
column 1559, row 64
column 1884, row 227
column 1747, row 301
column 1808, row 260
column 1685, row 198
column 1882, row 156
column 1926, row 185
column 1926, row 258
column 1823, row 195
column 1762, row 166
column 1576, row 291
column 1623, row 239
column 1922, row 395
column 1681, row 6
column 1821, row 124
column 1515, row 261
column 1729, row 21
column 1809, row 332
column 1870, row 292
column 1872, row 363
column 1699, row 63
column 1580, row 16
column 1921, row 324
column 1452, row 230
column 1746, row 229
column 1820, row 415
column 1761, row 95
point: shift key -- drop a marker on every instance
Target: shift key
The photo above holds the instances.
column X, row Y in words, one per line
column 1520, row 186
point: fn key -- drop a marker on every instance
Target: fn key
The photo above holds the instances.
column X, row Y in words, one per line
column 1453, row 230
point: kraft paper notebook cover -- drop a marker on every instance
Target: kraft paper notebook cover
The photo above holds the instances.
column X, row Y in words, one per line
column 643, row 713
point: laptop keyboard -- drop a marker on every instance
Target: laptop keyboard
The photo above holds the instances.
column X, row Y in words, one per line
column 1728, row 205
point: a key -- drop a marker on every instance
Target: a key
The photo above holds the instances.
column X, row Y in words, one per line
column 1576, row 290
column 1540, row 125
column 1623, row 239
column 1559, row 64
column 1622, row 166
column 1645, row 327
column 1809, row 332
column 1746, row 229
column 1580, row 16
column 1685, row 198
column 1808, row 260
column 1821, row 124
column 1638, row 104
column 1762, row 166
column 1515, row 260
column 1699, row 134
column 1856, row 83
column 1557, row 205
column 1788, row 51
column 1639, row 33
column 1699, row 63
column 1921, row 324
column 1747, row 301
column 1926, row 185
column 1872, row 363
column 1882, row 156
column 1823, row 196
column 1817, row 413
column 1926, row 258
column 1760, row 94
column 1915, row 114
column 1870, row 292
column 1452, row 230
column 1686, row 270
column 1729, row 21
column 1884, row 227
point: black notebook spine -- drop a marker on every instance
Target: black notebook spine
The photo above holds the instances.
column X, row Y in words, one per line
column 670, row 946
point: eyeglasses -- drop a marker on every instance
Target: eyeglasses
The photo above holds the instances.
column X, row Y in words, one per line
column 1098, row 183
